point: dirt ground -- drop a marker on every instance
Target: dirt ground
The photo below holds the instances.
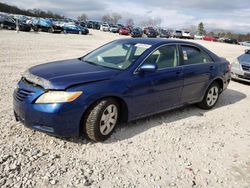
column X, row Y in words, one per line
column 187, row 147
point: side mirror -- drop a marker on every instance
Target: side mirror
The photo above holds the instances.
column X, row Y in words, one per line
column 149, row 67
column 247, row 51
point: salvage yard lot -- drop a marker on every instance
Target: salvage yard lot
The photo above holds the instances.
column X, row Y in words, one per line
column 181, row 148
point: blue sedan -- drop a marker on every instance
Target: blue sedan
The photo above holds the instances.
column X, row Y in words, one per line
column 75, row 29
column 121, row 81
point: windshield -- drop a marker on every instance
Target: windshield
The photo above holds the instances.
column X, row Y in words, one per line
column 245, row 58
column 117, row 55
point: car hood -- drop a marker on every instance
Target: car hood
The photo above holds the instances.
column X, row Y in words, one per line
column 60, row 75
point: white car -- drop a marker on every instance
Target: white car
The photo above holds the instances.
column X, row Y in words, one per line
column 240, row 68
column 104, row 27
column 245, row 43
column 198, row 37
column 187, row 35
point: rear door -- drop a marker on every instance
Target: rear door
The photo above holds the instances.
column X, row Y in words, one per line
column 197, row 69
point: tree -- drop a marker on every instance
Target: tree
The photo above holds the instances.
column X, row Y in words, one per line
column 152, row 22
column 107, row 18
column 130, row 22
column 201, row 29
column 82, row 17
column 192, row 29
column 116, row 17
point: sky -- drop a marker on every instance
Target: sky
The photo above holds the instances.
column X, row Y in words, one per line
column 233, row 15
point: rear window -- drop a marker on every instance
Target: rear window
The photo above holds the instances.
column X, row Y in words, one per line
column 193, row 55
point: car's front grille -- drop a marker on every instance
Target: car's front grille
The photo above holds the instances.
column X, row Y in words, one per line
column 246, row 67
column 21, row 94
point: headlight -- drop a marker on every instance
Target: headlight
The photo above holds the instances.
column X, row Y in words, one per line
column 58, row 97
column 236, row 61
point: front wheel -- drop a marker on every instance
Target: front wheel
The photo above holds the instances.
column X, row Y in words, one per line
column 211, row 96
column 101, row 120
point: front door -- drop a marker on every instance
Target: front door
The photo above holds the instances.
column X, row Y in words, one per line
column 154, row 92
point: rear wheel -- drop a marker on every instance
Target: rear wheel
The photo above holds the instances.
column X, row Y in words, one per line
column 101, row 120
column 211, row 96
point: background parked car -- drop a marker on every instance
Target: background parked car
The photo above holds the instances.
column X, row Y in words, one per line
column 75, row 29
column 245, row 43
column 124, row 31
column 96, row 25
column 136, row 32
column 22, row 25
column 152, row 33
column 187, row 35
column 104, row 27
column 114, row 28
column 208, row 38
column 164, row 33
column 145, row 30
column 240, row 68
column 231, row 41
column 42, row 24
column 7, row 22
column 177, row 34
column 199, row 37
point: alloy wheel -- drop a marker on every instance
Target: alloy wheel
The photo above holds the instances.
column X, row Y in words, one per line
column 108, row 119
column 212, row 96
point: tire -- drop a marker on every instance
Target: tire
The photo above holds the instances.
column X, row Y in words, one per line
column 35, row 28
column 211, row 97
column 51, row 30
column 1, row 26
column 101, row 120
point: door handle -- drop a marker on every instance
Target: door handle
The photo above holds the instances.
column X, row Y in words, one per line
column 212, row 67
column 178, row 72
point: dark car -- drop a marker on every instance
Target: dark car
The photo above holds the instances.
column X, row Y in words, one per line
column 6, row 22
column 136, row 32
column 121, row 81
column 164, row 33
column 96, row 25
column 22, row 25
column 75, row 29
column 46, row 25
column 151, row 33
column 241, row 67
column 83, row 24
column 231, row 41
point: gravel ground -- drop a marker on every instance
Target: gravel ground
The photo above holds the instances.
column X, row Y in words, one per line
column 187, row 147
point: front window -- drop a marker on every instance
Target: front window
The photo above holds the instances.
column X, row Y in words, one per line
column 116, row 55
column 164, row 57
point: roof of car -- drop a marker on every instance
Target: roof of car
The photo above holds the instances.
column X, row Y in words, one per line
column 155, row 41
